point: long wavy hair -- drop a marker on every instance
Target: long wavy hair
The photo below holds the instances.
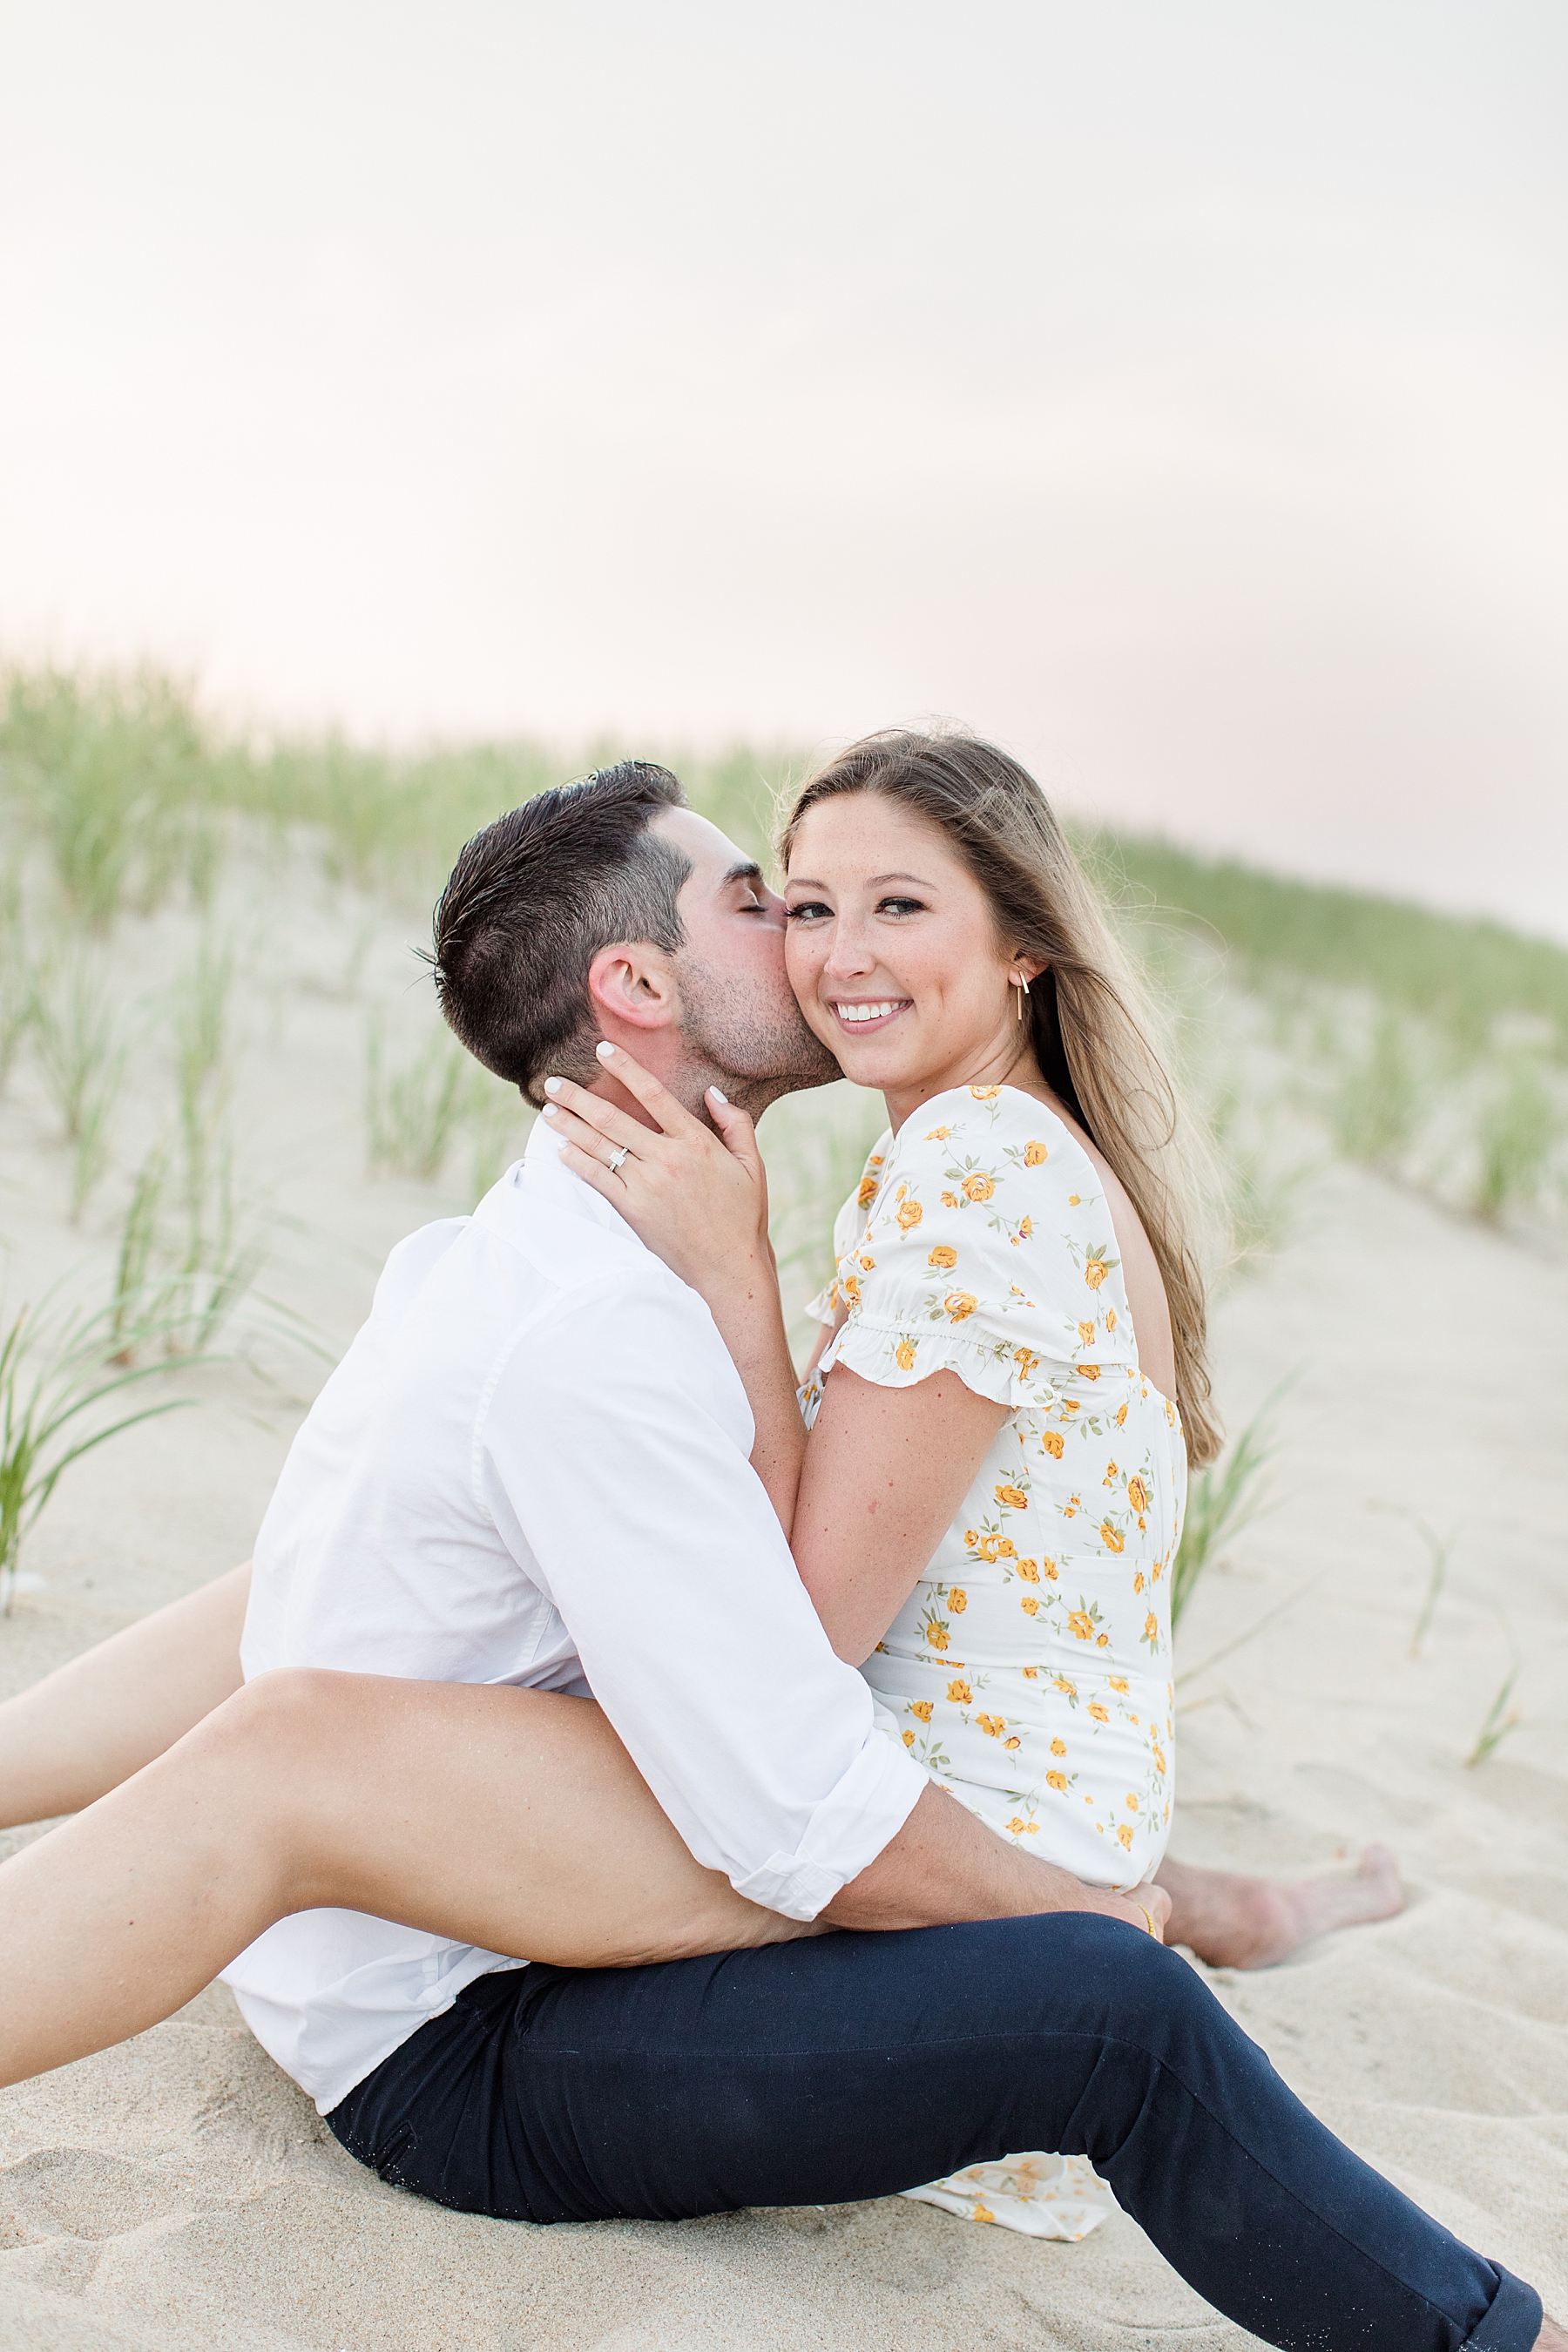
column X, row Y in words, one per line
column 1094, row 1033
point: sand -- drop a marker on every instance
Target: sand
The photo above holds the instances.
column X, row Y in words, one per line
column 180, row 2192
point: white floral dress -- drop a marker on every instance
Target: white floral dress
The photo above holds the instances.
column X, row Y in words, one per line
column 1030, row 1669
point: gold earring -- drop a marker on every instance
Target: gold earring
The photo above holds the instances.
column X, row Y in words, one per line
column 1022, row 985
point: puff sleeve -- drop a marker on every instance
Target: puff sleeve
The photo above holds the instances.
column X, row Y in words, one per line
column 988, row 1251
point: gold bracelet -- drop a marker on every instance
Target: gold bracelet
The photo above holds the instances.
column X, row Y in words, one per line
column 1148, row 1916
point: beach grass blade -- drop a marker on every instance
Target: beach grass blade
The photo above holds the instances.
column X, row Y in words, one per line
column 48, row 1380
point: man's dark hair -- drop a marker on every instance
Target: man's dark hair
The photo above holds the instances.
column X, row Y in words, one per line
column 531, row 902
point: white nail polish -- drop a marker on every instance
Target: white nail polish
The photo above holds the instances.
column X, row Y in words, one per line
column 719, row 1095
column 603, row 1049
column 552, row 1086
column 552, row 1110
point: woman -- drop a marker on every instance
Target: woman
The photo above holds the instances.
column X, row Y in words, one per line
column 903, row 1437
column 1006, row 1267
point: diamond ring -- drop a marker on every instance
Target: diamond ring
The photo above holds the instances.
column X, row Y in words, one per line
column 615, row 1158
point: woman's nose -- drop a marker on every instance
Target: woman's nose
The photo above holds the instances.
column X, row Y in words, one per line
column 851, row 954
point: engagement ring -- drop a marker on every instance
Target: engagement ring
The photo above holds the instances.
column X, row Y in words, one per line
column 615, row 1158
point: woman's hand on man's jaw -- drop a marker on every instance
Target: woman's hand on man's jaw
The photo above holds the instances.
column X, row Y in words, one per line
column 698, row 1196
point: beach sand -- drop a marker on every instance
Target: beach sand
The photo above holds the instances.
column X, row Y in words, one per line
column 180, row 2192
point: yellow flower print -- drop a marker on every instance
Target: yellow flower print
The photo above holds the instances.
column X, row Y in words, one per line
column 1097, row 1711
column 1138, row 1581
column 1110, row 1473
column 1132, row 1803
column 904, row 1354
column 1080, row 1625
column 985, row 1093
column 1111, row 1319
column 1024, row 1828
column 960, row 1693
column 851, row 1289
column 1013, row 1741
column 936, row 1634
column 1029, row 1571
column 1054, row 1443
column 1029, row 1605
column 944, row 1257
column 908, row 1739
column 1057, row 1780
column 970, row 1537
column 949, row 1200
column 1159, row 1758
column 1151, row 1627
column 1138, row 1493
column 939, row 1135
column 958, row 1600
column 1089, row 1371
column 1111, row 1536
column 1061, row 1682
column 958, row 1304
column 1117, row 1683
column 1085, row 1333
column 1125, row 1834
column 1102, row 1642
column 1122, row 1416
column 993, row 1725
column 1035, row 1155
column 867, row 1192
column 920, row 1707
column 869, row 1263
column 1028, row 1364
column 1095, row 1272
column 1048, row 1568
column 1014, row 1497
column 977, row 1187
column 1031, row 1673
column 909, row 1215
column 1073, row 1200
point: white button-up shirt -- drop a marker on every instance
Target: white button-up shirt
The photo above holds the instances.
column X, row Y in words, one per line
column 532, row 1467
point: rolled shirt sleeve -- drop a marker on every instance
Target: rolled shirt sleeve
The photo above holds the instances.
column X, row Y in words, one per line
column 630, row 1489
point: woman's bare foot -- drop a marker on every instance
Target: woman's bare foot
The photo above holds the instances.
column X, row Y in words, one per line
column 1235, row 1922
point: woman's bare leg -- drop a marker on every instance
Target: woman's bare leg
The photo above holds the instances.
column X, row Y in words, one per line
column 510, row 1819
column 87, row 1727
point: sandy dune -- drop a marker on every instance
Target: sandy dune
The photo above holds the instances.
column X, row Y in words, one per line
column 181, row 2193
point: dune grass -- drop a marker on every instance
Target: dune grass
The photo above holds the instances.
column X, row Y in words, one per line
column 1458, row 974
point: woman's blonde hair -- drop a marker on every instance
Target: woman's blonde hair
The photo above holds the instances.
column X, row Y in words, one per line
column 1093, row 1032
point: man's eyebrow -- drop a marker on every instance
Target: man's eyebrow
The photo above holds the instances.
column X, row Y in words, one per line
column 744, row 869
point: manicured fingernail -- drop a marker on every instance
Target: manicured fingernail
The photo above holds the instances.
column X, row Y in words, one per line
column 552, row 1110
column 603, row 1049
column 717, row 1094
column 552, row 1086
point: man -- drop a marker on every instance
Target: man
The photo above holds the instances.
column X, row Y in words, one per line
column 531, row 1468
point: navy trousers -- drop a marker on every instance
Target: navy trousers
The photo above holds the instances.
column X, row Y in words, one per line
column 851, row 2066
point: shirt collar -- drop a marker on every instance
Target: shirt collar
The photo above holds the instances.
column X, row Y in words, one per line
column 541, row 1165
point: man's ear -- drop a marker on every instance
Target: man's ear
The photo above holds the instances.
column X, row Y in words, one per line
column 633, row 983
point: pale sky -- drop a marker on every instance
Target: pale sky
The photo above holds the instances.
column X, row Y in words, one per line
column 1172, row 389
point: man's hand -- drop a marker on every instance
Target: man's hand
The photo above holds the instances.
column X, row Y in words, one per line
column 945, row 1865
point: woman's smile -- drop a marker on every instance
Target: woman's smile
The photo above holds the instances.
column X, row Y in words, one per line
column 863, row 1013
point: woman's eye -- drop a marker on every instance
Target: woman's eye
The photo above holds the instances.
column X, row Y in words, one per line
column 808, row 911
column 901, row 905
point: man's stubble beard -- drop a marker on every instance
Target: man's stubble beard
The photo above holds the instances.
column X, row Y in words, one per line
column 754, row 1053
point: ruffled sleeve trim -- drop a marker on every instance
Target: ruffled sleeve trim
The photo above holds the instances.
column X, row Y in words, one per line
column 894, row 1356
